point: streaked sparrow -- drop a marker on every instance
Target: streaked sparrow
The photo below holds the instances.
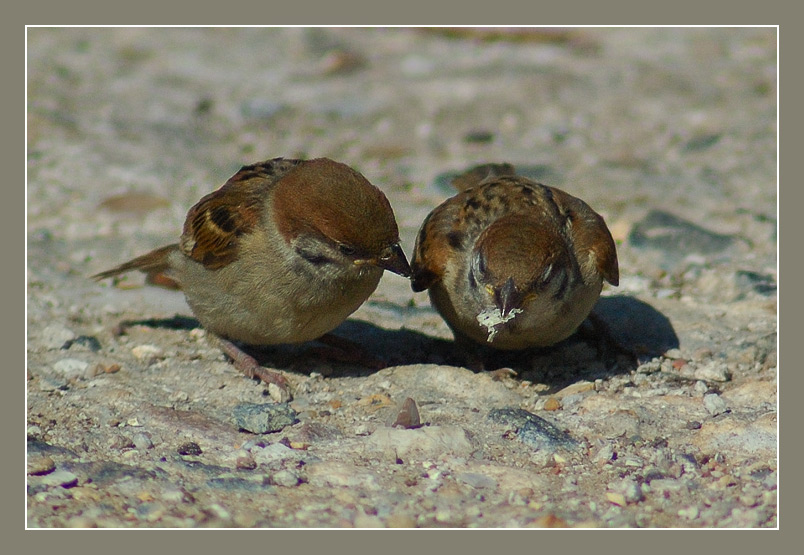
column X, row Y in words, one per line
column 283, row 252
column 510, row 263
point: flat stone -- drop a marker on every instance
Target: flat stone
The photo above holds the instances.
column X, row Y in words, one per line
column 426, row 442
column 54, row 336
column 71, row 367
column 534, row 430
column 263, row 419
column 63, row 478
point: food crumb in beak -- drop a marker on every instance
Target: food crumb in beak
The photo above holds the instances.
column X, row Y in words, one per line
column 491, row 318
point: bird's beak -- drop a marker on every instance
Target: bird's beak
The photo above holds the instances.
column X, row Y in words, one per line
column 508, row 297
column 391, row 259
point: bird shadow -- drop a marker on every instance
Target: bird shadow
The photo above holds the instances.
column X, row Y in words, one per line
column 637, row 326
column 632, row 332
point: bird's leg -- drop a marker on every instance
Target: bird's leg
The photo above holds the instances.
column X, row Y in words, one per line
column 249, row 366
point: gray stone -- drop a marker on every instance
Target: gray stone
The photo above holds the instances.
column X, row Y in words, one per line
column 713, row 371
column 714, row 404
column 263, row 419
column 63, row 478
column 534, row 430
column 71, row 368
column 426, row 442
column 54, row 336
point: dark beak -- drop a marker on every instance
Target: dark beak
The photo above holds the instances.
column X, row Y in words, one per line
column 508, row 297
column 393, row 259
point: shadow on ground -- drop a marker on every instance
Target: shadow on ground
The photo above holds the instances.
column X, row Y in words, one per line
column 637, row 326
column 638, row 330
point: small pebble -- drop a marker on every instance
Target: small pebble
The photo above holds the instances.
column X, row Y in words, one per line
column 312, row 432
column 661, row 485
column 121, row 442
column 634, row 461
column 407, row 416
column 629, row 489
column 245, row 461
column 605, row 454
column 552, row 404
column 55, row 336
column 650, row 367
column 148, row 354
column 173, row 496
column 113, row 368
column 85, row 493
column 190, row 448
column 534, row 430
column 274, row 454
column 141, row 440
column 700, row 388
column 425, row 442
column 61, row 478
column 38, row 465
column 265, row 418
column 714, row 404
column 278, row 394
column 713, row 371
column 49, row 384
column 219, row 511
column 679, row 363
column 71, row 367
column 285, row 478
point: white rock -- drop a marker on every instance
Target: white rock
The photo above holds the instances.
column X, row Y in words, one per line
column 71, row 367
column 427, row 442
column 274, row 453
column 714, row 404
column 55, row 336
column 147, row 353
column 713, row 371
column 285, row 478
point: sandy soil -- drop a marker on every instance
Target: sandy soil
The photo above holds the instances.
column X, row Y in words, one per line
column 670, row 134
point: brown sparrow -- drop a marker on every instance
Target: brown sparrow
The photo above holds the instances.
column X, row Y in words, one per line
column 283, row 252
column 511, row 263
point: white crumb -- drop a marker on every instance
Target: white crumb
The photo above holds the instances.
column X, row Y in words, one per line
column 493, row 317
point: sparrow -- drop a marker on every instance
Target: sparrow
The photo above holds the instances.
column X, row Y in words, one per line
column 510, row 263
column 282, row 253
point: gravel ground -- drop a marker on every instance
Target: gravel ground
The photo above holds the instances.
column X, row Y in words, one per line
column 669, row 133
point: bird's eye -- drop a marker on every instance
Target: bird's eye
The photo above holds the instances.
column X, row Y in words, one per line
column 346, row 249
